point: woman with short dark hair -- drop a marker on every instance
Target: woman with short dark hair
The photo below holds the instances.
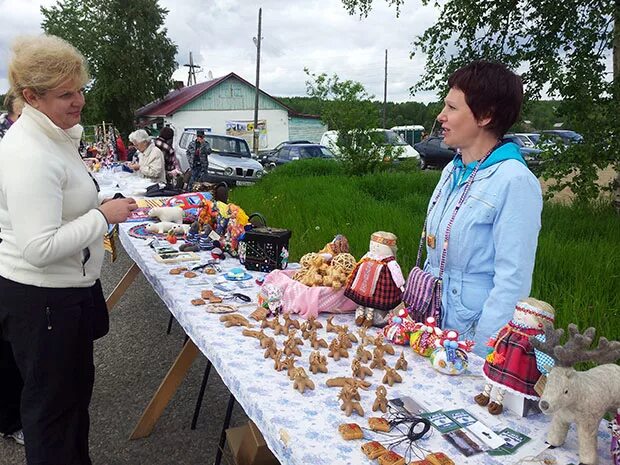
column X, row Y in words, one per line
column 492, row 242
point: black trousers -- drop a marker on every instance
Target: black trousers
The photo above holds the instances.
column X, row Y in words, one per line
column 51, row 334
column 11, row 385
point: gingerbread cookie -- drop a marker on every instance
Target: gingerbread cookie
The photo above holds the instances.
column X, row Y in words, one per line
column 373, row 450
column 190, row 274
column 198, row 302
column 379, row 424
column 350, row 431
column 439, row 458
column 391, row 458
column 177, row 270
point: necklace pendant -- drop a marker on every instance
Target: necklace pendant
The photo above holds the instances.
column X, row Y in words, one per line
column 431, row 241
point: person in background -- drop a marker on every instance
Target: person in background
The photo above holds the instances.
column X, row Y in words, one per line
column 173, row 170
column 198, row 157
column 493, row 240
column 151, row 163
column 14, row 109
column 52, row 306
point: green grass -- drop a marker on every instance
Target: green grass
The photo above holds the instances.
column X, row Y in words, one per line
column 578, row 259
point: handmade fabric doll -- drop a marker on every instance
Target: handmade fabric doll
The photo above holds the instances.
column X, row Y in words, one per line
column 511, row 366
column 450, row 356
column 376, row 283
column 424, row 337
column 399, row 327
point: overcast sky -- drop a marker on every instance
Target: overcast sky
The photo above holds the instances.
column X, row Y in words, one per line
column 317, row 34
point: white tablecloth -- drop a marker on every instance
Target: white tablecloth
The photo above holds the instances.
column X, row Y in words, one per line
column 303, row 429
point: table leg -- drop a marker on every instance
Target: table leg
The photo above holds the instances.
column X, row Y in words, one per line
column 122, row 286
column 166, row 390
column 229, row 410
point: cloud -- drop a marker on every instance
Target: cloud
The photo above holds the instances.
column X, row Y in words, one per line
column 317, row 34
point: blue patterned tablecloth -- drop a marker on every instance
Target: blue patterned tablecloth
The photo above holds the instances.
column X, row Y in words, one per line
column 303, row 429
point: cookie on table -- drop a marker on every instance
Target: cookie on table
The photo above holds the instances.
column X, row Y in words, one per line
column 373, row 450
column 350, row 431
column 391, row 458
column 379, row 424
column 439, row 458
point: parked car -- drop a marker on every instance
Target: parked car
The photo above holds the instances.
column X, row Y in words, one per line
column 267, row 153
column 330, row 138
column 530, row 139
column 288, row 153
column 530, row 154
column 564, row 136
column 230, row 159
column 434, row 152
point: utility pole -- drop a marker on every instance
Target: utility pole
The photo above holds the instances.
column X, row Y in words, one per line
column 257, row 41
column 191, row 75
column 385, row 92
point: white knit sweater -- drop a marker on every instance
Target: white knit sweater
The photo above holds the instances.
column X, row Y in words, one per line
column 48, row 217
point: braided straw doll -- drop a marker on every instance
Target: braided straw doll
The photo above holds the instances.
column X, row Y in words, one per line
column 511, row 366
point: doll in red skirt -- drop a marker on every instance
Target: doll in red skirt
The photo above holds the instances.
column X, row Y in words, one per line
column 376, row 283
column 512, row 364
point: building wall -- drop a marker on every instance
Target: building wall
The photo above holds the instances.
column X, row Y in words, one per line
column 277, row 122
column 231, row 94
column 306, row 128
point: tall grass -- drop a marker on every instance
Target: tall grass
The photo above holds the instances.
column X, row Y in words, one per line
column 578, row 258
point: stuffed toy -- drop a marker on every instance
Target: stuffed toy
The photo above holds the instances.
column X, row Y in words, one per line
column 399, row 327
column 424, row 336
column 450, row 356
column 511, row 366
column 170, row 214
column 165, row 227
column 376, row 283
column 580, row 397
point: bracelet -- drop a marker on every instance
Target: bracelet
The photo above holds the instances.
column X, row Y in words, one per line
column 104, row 217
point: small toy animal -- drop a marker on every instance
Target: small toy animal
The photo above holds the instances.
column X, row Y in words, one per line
column 318, row 363
column 364, row 355
column 580, row 397
column 172, row 214
column 381, row 401
column 401, row 363
column 391, row 376
column 336, row 351
column 235, row 319
column 349, row 404
column 315, row 342
column 377, row 359
column 359, row 370
column 302, row 381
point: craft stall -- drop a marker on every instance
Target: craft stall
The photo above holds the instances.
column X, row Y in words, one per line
column 332, row 367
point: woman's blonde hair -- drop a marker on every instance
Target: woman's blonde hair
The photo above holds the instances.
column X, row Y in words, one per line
column 138, row 136
column 43, row 62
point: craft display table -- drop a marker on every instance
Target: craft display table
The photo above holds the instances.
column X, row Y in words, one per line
column 303, row 428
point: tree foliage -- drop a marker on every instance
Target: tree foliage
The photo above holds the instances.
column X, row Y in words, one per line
column 131, row 59
column 348, row 109
column 562, row 48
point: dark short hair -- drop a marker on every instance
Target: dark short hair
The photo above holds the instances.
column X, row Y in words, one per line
column 166, row 133
column 200, row 133
column 491, row 91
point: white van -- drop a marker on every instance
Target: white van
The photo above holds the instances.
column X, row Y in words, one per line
column 329, row 139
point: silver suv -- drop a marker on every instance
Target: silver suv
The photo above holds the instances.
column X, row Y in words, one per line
column 230, row 159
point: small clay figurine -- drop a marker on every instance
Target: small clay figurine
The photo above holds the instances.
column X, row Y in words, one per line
column 235, row 319
column 376, row 284
column 292, row 336
column 512, row 363
column 279, row 328
column 288, row 322
column 266, row 342
column 267, row 323
column 302, row 381
column 305, row 329
column 289, row 363
column 391, row 376
column 401, row 363
column 271, row 348
column 336, row 351
column 290, row 348
column 344, row 340
column 278, row 364
column 377, row 359
column 315, row 342
column 318, row 363
column 364, row 338
column 342, row 381
column 331, row 327
column 381, row 401
column 380, row 343
column 255, row 334
column 349, row 404
column 359, row 370
column 314, row 324
column 364, row 355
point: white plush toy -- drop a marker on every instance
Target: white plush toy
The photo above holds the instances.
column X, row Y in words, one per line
column 173, row 214
column 164, row 227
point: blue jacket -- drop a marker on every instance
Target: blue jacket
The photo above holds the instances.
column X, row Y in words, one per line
column 492, row 245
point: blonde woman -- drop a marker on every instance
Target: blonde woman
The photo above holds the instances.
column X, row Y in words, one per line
column 151, row 162
column 52, row 226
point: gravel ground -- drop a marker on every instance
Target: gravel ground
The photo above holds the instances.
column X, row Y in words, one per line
column 130, row 363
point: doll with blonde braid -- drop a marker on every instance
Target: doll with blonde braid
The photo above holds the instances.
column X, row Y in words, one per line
column 512, row 363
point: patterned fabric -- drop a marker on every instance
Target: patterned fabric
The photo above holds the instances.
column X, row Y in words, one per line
column 512, row 365
column 198, row 158
column 422, row 295
column 615, row 439
column 5, row 124
column 170, row 159
column 302, row 429
column 386, row 295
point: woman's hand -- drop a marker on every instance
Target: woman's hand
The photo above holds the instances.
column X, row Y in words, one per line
column 117, row 210
column 134, row 166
